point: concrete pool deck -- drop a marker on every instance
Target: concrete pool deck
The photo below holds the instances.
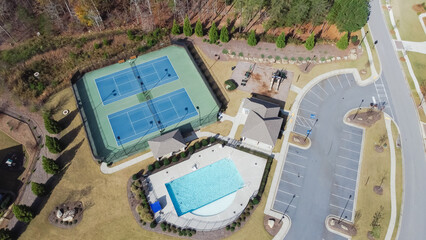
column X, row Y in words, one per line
column 249, row 166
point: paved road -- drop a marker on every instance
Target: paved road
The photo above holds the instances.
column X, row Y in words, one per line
column 323, row 178
column 413, row 219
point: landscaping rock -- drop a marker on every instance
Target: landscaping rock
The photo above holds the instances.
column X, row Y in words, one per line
column 333, row 59
column 353, row 56
column 271, row 223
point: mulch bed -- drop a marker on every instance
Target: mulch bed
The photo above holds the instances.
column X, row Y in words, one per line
column 77, row 206
column 365, row 119
column 344, row 227
column 277, row 225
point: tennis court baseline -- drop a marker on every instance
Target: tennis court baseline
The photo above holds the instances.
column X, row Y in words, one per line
column 123, row 84
column 138, row 121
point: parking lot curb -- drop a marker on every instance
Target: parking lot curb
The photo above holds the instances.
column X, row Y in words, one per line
column 334, row 231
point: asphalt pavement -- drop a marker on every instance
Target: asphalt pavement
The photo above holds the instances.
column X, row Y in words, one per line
column 405, row 113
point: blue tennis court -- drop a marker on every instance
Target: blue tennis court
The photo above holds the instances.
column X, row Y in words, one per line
column 123, row 84
column 137, row 121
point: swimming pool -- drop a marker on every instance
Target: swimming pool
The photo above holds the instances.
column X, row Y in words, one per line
column 204, row 186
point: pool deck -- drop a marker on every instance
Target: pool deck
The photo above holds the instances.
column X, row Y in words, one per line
column 249, row 166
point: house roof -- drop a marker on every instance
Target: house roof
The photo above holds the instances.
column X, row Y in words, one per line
column 166, row 143
column 263, row 108
column 265, row 130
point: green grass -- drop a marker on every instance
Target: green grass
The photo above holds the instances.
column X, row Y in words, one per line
column 407, row 20
column 5, row 143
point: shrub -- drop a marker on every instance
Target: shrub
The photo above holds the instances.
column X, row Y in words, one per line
column 106, row 42
column 228, row 227
column 354, row 39
column 255, row 201
column 38, row 189
column 50, row 166
column 50, row 124
column 277, row 58
column 97, row 45
column 310, row 42
column 166, row 161
column 130, row 35
column 175, row 159
column 5, row 234
column 23, row 213
column 191, row 150
column 187, row 29
column 241, row 54
column 199, row 29
column 213, row 35
column 153, row 224
column 230, row 84
column 197, row 145
column 224, row 36
column 343, row 43
column 204, row 142
column 252, row 41
column 262, row 55
column 151, row 167
column 300, row 58
column 134, row 176
column 225, row 51
column 232, row 229
column 269, row 57
column 280, row 40
column 157, row 164
column 212, row 139
column 183, row 154
column 53, row 144
column 175, row 28
column 189, row 234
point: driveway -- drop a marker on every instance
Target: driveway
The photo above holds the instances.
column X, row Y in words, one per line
column 323, row 179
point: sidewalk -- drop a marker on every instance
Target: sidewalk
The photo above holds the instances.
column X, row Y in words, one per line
column 392, row 220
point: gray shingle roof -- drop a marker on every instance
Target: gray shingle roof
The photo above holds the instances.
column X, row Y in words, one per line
column 166, row 143
column 263, row 108
column 265, row 130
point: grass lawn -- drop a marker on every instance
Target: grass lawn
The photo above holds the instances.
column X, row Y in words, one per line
column 223, row 128
column 373, row 50
column 239, row 131
column 290, row 100
column 418, row 62
column 221, row 71
column 254, row 229
column 278, row 144
column 407, row 20
column 399, row 180
column 5, row 143
column 375, row 168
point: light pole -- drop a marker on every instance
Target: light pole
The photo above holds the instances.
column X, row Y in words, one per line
column 375, row 43
column 119, row 140
column 340, row 218
column 199, row 115
column 423, row 98
column 362, row 40
column 359, row 108
column 309, row 63
column 309, row 131
column 294, row 195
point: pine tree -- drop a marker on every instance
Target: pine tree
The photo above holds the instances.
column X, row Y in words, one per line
column 310, row 42
column 53, row 144
column 199, row 29
column 175, row 28
column 213, row 35
column 50, row 124
column 349, row 15
column 38, row 189
column 280, row 40
column 187, row 29
column 252, row 41
column 23, row 213
column 224, row 36
column 343, row 42
column 50, row 166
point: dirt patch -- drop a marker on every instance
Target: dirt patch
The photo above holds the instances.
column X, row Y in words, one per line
column 342, row 226
column 402, row 59
column 365, row 119
column 378, row 148
column 378, row 190
column 277, row 225
column 76, row 210
column 299, row 140
column 419, row 8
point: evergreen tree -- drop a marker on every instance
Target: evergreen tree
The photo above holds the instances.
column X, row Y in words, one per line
column 252, row 41
column 310, row 42
column 318, row 11
column 23, row 213
column 187, row 29
column 53, row 144
column 213, row 35
column 5, row 234
column 280, row 40
column 175, row 28
column 50, row 124
column 298, row 13
column 343, row 42
column 224, row 36
column 349, row 15
column 199, row 29
column 38, row 189
column 50, row 166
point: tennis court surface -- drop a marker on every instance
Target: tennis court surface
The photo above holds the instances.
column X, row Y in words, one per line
column 138, row 120
column 124, row 83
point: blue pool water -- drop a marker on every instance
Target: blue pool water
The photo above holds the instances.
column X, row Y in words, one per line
column 204, row 186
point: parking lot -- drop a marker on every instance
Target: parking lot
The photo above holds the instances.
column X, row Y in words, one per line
column 322, row 180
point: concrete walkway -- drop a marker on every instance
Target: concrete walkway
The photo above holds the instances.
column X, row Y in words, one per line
column 419, row 47
column 236, row 121
column 392, row 220
column 110, row 170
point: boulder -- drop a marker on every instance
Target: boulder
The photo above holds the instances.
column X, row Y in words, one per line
column 352, row 56
column 271, row 223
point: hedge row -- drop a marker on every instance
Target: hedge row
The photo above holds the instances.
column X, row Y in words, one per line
column 165, row 226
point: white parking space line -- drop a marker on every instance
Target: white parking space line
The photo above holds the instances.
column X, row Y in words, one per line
column 307, row 110
column 301, row 123
column 350, row 141
column 343, row 187
column 305, row 99
column 340, row 207
column 294, row 164
column 285, row 203
column 352, row 133
column 349, row 149
column 328, row 80
column 297, row 155
column 348, row 159
column 350, row 85
column 291, row 183
column 338, row 165
column 346, row 198
column 296, row 174
column 322, row 89
column 320, row 98
column 339, row 82
column 344, row 177
column 291, row 194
